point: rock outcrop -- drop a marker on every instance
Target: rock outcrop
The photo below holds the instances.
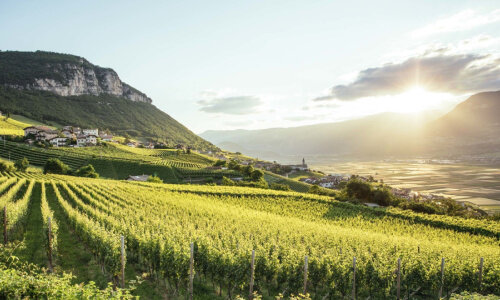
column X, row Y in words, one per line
column 72, row 76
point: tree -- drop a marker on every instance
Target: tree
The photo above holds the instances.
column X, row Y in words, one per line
column 21, row 164
column 247, row 170
column 227, row 181
column 233, row 165
column 55, row 166
column 87, row 171
column 358, row 189
column 256, row 175
column 4, row 167
column 220, row 162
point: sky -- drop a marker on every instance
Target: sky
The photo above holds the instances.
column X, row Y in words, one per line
column 218, row 65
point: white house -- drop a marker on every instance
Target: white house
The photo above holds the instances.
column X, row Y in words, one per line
column 93, row 131
column 91, row 139
column 58, row 141
column 81, row 140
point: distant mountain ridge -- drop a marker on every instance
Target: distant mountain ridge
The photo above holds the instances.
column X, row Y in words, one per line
column 62, row 74
column 69, row 90
column 473, row 127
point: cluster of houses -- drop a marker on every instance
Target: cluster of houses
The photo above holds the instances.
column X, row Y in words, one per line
column 83, row 137
column 330, row 182
column 408, row 194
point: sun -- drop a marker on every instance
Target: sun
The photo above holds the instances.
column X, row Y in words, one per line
column 417, row 99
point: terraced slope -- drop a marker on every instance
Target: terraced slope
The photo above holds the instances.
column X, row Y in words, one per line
column 226, row 223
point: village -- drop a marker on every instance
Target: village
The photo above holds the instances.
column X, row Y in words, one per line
column 72, row 136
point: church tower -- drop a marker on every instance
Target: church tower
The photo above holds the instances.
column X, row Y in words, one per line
column 303, row 162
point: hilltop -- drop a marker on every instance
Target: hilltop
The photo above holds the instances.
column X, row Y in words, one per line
column 67, row 89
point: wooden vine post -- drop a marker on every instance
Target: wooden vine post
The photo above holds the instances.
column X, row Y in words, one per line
column 442, row 278
column 398, row 291
column 481, row 262
column 122, row 259
column 305, row 274
column 49, row 238
column 354, row 278
column 5, row 237
column 191, row 272
column 252, row 273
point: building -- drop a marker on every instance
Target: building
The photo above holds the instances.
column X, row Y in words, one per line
column 68, row 133
column 81, row 140
column 34, row 130
column 106, row 137
column 58, row 141
column 91, row 139
column 302, row 167
column 138, row 178
column 93, row 131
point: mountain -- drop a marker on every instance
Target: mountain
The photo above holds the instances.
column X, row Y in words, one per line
column 471, row 128
column 374, row 136
column 67, row 89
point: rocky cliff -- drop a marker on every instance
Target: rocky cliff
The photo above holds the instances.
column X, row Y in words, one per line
column 62, row 74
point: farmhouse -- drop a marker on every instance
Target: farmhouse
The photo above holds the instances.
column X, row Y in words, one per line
column 81, row 140
column 58, row 141
column 93, row 131
column 34, row 130
column 91, row 139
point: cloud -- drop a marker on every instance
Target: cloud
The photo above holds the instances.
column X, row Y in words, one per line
column 234, row 105
column 461, row 21
column 437, row 71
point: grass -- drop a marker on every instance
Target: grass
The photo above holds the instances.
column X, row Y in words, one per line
column 32, row 249
column 73, row 256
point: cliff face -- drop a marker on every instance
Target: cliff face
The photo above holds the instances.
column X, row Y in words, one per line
column 64, row 75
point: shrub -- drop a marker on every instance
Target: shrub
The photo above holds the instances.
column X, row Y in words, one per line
column 279, row 187
column 4, row 167
column 21, row 164
column 256, row 175
column 87, row 171
column 55, row 166
column 155, row 179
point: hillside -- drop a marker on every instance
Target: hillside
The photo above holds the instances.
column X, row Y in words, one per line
column 68, row 89
column 160, row 223
column 472, row 128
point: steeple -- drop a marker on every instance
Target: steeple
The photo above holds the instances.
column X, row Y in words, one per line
column 303, row 161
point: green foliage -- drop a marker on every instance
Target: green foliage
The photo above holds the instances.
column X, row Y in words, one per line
column 21, row 164
column 20, row 280
column 87, row 171
column 155, row 179
column 247, row 170
column 55, row 166
column 233, row 165
column 227, row 181
column 220, row 163
column 5, row 167
column 359, row 189
column 279, row 187
column 257, row 175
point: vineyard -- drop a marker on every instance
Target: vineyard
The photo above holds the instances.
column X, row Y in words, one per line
column 200, row 239
column 118, row 162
